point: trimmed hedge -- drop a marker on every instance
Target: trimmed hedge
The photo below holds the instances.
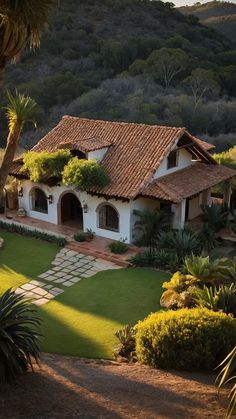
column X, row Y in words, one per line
column 14, row 228
column 187, row 339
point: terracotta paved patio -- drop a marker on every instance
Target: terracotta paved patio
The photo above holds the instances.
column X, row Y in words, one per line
column 98, row 247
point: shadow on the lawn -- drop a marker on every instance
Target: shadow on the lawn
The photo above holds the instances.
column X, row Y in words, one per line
column 55, row 342
column 113, row 296
column 83, row 320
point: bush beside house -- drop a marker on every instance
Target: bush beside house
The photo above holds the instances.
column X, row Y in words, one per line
column 185, row 339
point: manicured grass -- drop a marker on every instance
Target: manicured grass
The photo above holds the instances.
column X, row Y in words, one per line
column 83, row 320
column 22, row 259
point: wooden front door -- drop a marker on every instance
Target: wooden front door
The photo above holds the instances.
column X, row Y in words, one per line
column 71, row 209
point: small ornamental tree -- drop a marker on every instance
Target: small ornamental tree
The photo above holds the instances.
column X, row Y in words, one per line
column 85, row 174
column 45, row 164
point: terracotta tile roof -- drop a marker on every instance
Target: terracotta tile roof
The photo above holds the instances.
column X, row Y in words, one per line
column 16, row 168
column 79, row 134
column 135, row 150
column 205, row 145
column 85, row 145
column 187, row 182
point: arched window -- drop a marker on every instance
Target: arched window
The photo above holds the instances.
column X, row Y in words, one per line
column 39, row 201
column 108, row 218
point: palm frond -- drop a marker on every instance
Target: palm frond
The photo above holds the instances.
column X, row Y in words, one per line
column 226, row 376
column 29, row 15
column 19, row 336
column 20, row 109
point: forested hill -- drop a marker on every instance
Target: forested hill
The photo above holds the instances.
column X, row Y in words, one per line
column 105, row 58
column 219, row 15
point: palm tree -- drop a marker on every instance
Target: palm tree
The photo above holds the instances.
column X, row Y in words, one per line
column 150, row 224
column 20, row 109
column 21, row 24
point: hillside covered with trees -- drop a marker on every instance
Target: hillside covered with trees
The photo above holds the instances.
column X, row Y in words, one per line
column 130, row 60
column 220, row 15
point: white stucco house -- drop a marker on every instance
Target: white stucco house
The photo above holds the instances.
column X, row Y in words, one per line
column 149, row 167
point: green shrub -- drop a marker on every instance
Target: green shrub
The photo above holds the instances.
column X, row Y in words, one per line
column 24, row 231
column 197, row 272
column 186, row 339
column 162, row 259
column 45, row 164
column 90, row 233
column 19, row 343
column 150, row 224
column 80, row 237
column 183, row 242
column 85, row 174
column 119, row 247
column 126, row 346
column 218, row 299
column 215, row 216
column 205, row 270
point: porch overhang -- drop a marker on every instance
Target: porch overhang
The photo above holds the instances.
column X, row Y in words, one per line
column 188, row 182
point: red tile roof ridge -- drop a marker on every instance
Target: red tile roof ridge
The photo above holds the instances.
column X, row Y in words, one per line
column 123, row 123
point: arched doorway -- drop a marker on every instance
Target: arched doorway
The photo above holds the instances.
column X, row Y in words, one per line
column 71, row 211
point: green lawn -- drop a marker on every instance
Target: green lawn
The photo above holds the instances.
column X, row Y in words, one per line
column 83, row 320
column 23, row 258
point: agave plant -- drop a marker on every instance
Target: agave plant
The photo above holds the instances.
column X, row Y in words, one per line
column 216, row 272
column 218, row 299
column 127, row 342
column 183, row 242
column 215, row 216
column 228, row 375
column 19, row 338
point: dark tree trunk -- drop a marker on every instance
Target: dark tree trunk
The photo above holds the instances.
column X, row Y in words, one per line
column 3, row 62
column 12, row 143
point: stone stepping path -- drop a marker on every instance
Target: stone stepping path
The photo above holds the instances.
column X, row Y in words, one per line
column 68, row 268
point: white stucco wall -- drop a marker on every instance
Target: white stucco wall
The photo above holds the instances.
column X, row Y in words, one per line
column 184, row 160
column 97, row 154
column 179, row 214
column 90, row 219
column 26, row 203
column 127, row 218
column 140, row 204
column 195, row 207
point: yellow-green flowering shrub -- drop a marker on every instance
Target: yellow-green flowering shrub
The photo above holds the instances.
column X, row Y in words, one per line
column 186, row 339
column 85, row 174
column 180, row 291
column 45, row 164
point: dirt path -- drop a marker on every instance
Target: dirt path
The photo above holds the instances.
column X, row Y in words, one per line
column 71, row 388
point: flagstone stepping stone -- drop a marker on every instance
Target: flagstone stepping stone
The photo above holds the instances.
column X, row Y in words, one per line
column 28, row 286
column 51, row 278
column 68, row 268
column 37, row 283
column 40, row 291
column 68, row 283
column 59, row 274
column 75, row 279
column 57, row 268
column 59, row 280
column 41, row 301
column 56, row 291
